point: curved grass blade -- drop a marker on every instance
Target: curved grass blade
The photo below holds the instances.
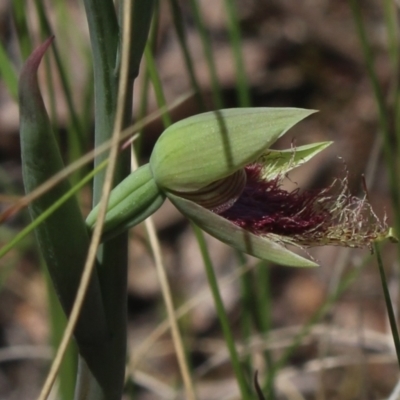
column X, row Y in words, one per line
column 63, row 238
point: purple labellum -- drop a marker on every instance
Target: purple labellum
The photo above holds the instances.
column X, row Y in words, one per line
column 305, row 218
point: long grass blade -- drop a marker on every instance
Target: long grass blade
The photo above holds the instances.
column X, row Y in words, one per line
column 77, row 130
column 180, row 31
column 223, row 318
column 7, row 73
column 388, row 302
column 242, row 87
column 166, row 291
column 21, row 25
column 216, row 89
column 383, row 115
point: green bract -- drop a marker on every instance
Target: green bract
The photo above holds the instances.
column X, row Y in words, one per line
column 198, row 150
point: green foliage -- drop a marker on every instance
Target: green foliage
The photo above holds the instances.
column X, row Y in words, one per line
column 60, row 229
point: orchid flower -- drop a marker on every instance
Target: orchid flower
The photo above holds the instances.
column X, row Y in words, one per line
column 218, row 170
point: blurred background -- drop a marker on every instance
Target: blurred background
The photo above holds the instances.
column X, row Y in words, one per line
column 327, row 331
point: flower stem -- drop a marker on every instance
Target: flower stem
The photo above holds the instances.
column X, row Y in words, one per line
column 172, row 318
column 154, row 243
column 388, row 302
column 223, row 318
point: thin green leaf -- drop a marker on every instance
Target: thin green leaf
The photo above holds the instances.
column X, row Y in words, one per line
column 76, row 135
column 49, row 211
column 180, row 31
column 67, row 374
column 242, row 87
column 222, row 315
column 388, row 302
column 21, row 26
column 155, row 79
column 208, row 53
column 105, row 34
column 7, row 72
column 63, row 237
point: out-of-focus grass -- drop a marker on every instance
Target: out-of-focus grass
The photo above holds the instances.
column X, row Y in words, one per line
column 80, row 120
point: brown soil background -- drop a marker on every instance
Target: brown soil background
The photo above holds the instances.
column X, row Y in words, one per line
column 297, row 54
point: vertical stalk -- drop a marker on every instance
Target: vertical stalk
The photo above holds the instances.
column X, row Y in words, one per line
column 58, row 322
column 165, row 288
column 223, row 318
column 21, row 25
column 383, row 115
column 77, row 133
column 264, row 320
column 242, row 88
column 104, row 34
column 112, row 256
column 152, row 69
column 216, row 89
column 180, row 31
column 7, row 72
column 249, row 308
column 388, row 302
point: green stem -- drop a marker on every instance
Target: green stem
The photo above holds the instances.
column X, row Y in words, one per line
column 77, row 133
column 242, row 87
column 180, row 31
column 21, row 25
column 176, row 335
column 105, row 36
column 223, row 318
column 383, row 116
column 264, row 309
column 216, row 89
column 151, row 67
column 388, row 302
column 67, row 374
column 7, row 73
column 391, row 23
column 144, row 93
column 249, row 308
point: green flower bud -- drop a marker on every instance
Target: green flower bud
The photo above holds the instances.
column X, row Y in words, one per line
column 202, row 149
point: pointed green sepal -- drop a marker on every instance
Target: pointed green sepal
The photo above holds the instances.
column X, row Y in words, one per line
column 132, row 201
column 280, row 162
column 198, row 150
column 227, row 232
